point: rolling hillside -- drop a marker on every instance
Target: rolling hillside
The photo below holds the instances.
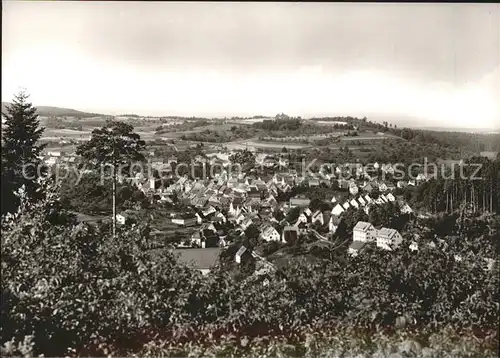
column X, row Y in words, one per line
column 47, row 111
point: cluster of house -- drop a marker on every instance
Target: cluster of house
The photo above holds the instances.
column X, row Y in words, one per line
column 58, row 157
column 240, row 200
column 248, row 199
column 367, row 202
column 245, row 200
column 384, row 238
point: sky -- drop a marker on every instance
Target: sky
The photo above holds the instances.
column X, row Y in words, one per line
column 437, row 64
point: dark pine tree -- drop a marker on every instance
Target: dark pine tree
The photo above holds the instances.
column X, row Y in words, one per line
column 21, row 150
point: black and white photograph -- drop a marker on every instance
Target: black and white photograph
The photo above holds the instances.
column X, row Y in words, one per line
column 250, row 179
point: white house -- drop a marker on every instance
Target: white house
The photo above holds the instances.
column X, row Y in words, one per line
column 334, row 199
column 387, row 168
column 379, row 201
column 208, row 211
column 354, row 203
column 388, row 238
column 54, row 153
column 269, row 233
column 382, row 187
column 186, row 220
column 353, row 189
column 196, row 240
column 362, row 201
column 284, row 162
column 337, row 210
column 301, row 219
column 368, row 198
column 152, row 183
column 234, row 211
column 384, row 198
column 221, row 217
column 239, row 254
column 406, row 209
column 317, row 216
column 364, row 232
column 246, row 223
column 401, row 184
column 271, row 200
column 334, row 223
column 390, row 197
column 421, row 177
column 346, row 205
column 121, row 219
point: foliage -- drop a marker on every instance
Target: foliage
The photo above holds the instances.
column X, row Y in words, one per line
column 88, row 193
column 78, row 291
column 243, row 157
column 293, row 215
column 351, row 217
column 221, row 136
column 185, row 126
column 21, row 151
column 388, row 215
column 475, row 185
column 114, row 143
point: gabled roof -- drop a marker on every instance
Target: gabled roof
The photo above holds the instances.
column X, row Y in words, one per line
column 338, row 207
column 386, row 233
column 357, row 245
column 268, row 230
column 363, row 226
column 316, row 214
column 199, row 258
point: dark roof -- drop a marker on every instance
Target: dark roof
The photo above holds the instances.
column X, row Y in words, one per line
column 199, row 258
column 357, row 245
column 86, row 218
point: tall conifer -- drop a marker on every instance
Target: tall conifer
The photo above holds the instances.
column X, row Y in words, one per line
column 21, row 150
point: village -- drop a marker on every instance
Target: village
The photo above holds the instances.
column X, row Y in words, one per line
column 269, row 202
column 229, row 203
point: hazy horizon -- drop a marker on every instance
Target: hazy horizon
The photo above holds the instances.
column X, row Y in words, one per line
column 434, row 63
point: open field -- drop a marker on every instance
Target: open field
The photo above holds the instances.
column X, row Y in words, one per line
column 369, row 136
column 65, row 130
column 328, row 123
column 57, row 134
column 263, row 145
column 305, row 137
column 248, row 121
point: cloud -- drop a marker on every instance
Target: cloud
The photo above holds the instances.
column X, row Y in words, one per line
column 423, row 60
